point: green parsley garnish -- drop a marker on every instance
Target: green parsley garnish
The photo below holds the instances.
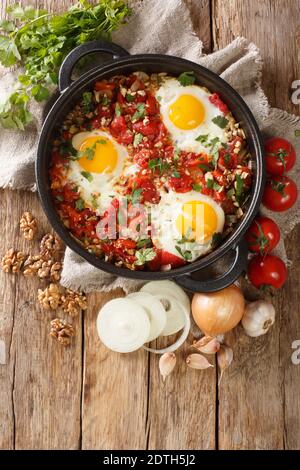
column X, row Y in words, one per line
column 87, row 175
column 239, row 186
column 143, row 242
column 79, row 204
column 67, row 150
column 227, row 158
column 87, row 101
column 137, row 139
column 144, row 255
column 197, row 187
column 94, row 202
column 158, row 98
column 136, row 195
column 202, row 138
column 210, row 183
column 176, row 174
column 140, row 112
column 159, row 164
column 129, row 98
column 220, row 121
column 118, row 110
column 105, row 100
column 38, row 41
column 186, row 254
column 186, row 78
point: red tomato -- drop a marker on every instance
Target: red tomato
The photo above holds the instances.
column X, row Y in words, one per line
column 280, row 194
column 104, row 86
column 125, row 137
column 143, row 156
column 268, row 270
column 190, row 159
column 149, row 193
column 151, row 105
column 152, row 128
column 182, row 184
column 118, row 125
column 280, row 156
column 173, row 260
column 263, row 235
column 216, row 100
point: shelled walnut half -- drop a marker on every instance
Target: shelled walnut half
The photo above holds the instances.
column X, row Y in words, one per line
column 73, row 302
column 50, row 297
column 12, row 261
column 50, row 246
column 61, row 331
column 28, row 225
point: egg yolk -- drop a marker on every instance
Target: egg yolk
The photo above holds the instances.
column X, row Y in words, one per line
column 99, row 155
column 187, row 112
column 197, row 221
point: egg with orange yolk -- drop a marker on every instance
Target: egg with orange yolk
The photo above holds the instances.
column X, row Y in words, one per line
column 187, row 114
column 185, row 224
column 98, row 164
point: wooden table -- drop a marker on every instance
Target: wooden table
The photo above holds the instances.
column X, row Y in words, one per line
column 87, row 397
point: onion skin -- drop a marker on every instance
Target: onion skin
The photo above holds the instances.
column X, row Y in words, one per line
column 218, row 312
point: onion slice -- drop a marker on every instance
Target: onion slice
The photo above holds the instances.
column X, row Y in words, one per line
column 123, row 325
column 155, row 311
column 179, row 341
column 168, row 287
column 175, row 314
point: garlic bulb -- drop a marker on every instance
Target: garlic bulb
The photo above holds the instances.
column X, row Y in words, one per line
column 259, row 316
column 166, row 364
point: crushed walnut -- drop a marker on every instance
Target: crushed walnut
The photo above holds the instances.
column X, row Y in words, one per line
column 35, row 265
column 73, row 302
column 50, row 246
column 12, row 261
column 61, row 331
column 50, row 297
column 28, row 225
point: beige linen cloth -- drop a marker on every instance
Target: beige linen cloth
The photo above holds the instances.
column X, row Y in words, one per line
column 162, row 27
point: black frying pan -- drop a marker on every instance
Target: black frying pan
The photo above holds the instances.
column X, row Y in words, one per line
column 124, row 63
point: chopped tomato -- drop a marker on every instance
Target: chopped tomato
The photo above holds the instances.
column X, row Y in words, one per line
column 149, row 193
column 125, row 137
column 118, row 125
column 173, row 260
column 182, row 184
column 143, row 156
column 152, row 128
column 216, row 100
column 151, row 104
column 104, row 86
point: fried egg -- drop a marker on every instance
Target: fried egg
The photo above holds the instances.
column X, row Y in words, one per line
column 188, row 113
column 101, row 161
column 185, row 224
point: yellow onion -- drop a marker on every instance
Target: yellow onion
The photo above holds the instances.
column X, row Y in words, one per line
column 218, row 312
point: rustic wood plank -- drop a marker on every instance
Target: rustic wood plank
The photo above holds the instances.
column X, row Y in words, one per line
column 258, row 396
column 41, row 382
column 182, row 411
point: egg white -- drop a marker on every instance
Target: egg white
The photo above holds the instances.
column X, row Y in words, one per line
column 101, row 189
column 165, row 234
column 167, row 94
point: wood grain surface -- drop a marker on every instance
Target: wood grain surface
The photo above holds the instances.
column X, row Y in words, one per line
column 87, row 397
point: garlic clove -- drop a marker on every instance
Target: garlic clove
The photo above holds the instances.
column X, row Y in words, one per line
column 166, row 364
column 259, row 316
column 224, row 359
column 197, row 361
column 201, row 342
column 211, row 347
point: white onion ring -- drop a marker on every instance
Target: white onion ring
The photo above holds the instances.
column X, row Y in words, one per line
column 155, row 311
column 178, row 342
column 168, row 287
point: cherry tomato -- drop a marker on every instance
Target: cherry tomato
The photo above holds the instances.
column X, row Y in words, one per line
column 182, row 184
column 263, row 235
column 268, row 270
column 280, row 194
column 280, row 156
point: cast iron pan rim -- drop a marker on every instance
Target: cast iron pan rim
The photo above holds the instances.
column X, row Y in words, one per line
column 140, row 60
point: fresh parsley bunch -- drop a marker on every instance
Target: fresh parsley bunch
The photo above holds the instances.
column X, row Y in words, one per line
column 39, row 41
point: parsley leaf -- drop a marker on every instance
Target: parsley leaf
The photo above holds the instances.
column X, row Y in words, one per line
column 197, row 187
column 202, row 138
column 144, row 255
column 137, row 139
column 118, row 111
column 87, row 175
column 176, row 174
column 186, row 254
column 186, row 78
column 140, row 112
column 239, row 185
column 220, row 121
column 39, row 41
column 87, row 101
column 143, row 242
column 129, row 98
column 158, row 163
column 79, row 204
column 136, row 195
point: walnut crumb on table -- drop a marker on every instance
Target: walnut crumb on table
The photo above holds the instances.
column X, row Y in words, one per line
column 61, row 331
column 28, row 225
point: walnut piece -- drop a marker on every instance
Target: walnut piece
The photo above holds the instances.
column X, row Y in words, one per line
column 73, row 302
column 50, row 246
column 37, row 266
column 12, row 261
column 61, row 331
column 28, row 225
column 50, row 297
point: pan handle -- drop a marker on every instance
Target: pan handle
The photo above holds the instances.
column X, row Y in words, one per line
column 211, row 285
column 66, row 69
